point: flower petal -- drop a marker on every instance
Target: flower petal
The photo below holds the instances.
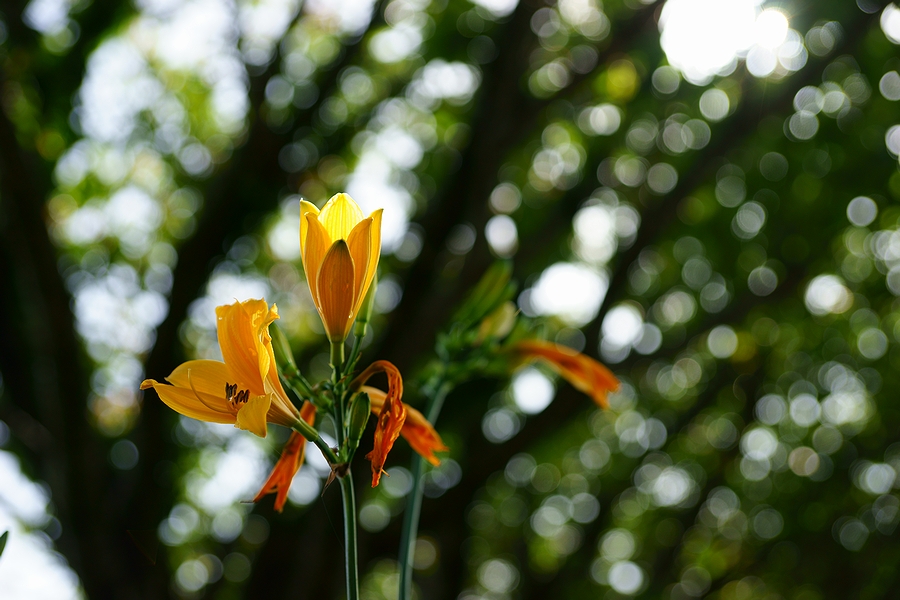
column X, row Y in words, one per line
column 336, row 293
column 391, row 417
column 583, row 372
column 372, row 255
column 238, row 326
column 286, row 467
column 305, row 209
column 390, row 422
column 252, row 415
column 417, row 431
column 271, row 381
column 208, row 377
column 374, row 251
column 359, row 244
column 340, row 215
column 317, row 244
column 194, row 405
column 421, row 436
column 289, row 463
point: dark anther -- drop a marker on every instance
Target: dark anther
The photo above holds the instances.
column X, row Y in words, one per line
column 234, row 396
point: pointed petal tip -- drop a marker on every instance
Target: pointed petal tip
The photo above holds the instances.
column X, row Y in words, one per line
column 148, row 383
column 341, row 197
column 252, row 416
column 340, row 215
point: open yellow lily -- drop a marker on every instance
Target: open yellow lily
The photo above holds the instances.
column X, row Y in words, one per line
column 583, row 372
column 245, row 389
column 340, row 251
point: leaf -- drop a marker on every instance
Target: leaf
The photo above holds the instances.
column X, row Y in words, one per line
column 3, row 539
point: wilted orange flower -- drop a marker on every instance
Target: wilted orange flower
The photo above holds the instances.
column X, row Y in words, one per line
column 340, row 251
column 416, row 430
column 245, row 389
column 583, row 372
column 289, row 463
column 391, row 417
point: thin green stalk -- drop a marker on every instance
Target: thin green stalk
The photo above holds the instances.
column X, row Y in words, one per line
column 337, row 360
column 410, row 531
column 337, row 363
column 307, row 431
column 295, row 379
column 354, row 351
column 350, row 561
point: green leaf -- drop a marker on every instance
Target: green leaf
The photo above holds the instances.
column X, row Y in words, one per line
column 3, row 539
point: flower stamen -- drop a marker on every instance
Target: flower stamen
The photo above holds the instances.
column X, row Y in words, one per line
column 200, row 398
column 236, row 398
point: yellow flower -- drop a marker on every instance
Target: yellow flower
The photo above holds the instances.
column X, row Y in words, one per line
column 340, row 251
column 245, row 389
column 583, row 372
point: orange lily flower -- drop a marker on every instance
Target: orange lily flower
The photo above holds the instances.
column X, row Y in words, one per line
column 391, row 416
column 583, row 372
column 243, row 390
column 416, row 430
column 340, row 251
column 289, row 463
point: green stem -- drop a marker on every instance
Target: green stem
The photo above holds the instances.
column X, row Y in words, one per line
column 354, row 351
column 352, row 569
column 307, row 431
column 337, row 359
column 297, row 382
column 410, row 531
column 337, row 363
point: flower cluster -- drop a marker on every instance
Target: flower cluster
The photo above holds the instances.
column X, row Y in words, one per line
column 340, row 250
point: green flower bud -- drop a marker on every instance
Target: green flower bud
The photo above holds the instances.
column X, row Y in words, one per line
column 498, row 324
column 284, row 357
column 491, row 291
column 360, row 409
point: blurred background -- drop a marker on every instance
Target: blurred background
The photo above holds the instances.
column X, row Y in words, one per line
column 703, row 194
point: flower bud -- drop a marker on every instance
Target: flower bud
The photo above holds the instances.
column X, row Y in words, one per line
column 498, row 324
column 284, row 357
column 492, row 290
column 360, row 408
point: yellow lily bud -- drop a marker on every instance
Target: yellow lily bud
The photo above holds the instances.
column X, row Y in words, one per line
column 340, row 250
